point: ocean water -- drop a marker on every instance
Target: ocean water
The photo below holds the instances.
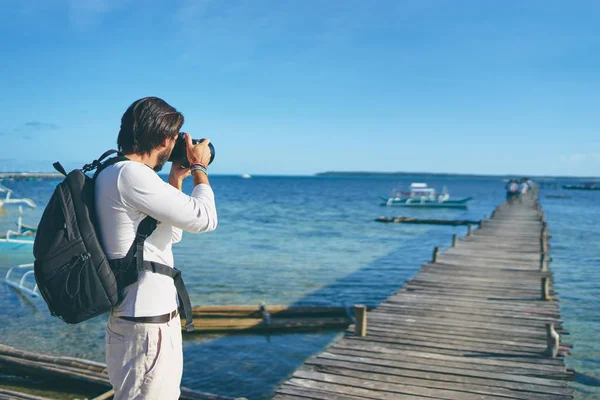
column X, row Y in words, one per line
column 313, row 240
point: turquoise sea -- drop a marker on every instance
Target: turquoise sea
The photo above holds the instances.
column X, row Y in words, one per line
column 313, row 240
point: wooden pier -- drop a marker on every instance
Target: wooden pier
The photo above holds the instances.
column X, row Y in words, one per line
column 420, row 221
column 480, row 321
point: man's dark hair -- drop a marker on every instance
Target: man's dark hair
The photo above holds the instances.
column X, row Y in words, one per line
column 146, row 124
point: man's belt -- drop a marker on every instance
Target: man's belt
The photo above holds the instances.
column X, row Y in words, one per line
column 157, row 319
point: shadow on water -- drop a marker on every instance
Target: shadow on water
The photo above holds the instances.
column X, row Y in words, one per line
column 265, row 360
column 586, row 380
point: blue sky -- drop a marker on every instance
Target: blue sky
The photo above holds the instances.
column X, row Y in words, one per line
column 298, row 87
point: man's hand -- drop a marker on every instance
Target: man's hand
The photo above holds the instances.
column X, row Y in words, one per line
column 178, row 174
column 199, row 153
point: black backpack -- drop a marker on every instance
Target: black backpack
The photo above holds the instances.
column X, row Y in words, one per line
column 73, row 275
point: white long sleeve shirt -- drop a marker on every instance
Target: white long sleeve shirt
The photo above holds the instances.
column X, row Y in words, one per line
column 125, row 194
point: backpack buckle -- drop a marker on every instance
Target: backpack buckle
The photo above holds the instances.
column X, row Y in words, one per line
column 91, row 166
column 140, row 237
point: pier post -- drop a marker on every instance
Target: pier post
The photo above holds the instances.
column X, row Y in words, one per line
column 481, row 222
column 469, row 230
column 454, row 240
column 546, row 289
column 553, row 340
column 543, row 263
column 360, row 318
column 436, row 249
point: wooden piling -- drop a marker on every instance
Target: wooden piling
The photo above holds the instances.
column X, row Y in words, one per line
column 546, row 288
column 543, row 263
column 454, row 240
column 544, row 232
column 360, row 317
column 553, row 341
column 469, row 231
column 436, row 250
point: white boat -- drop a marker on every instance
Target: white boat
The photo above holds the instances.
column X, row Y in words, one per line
column 422, row 196
column 246, row 176
column 12, row 241
column 8, row 200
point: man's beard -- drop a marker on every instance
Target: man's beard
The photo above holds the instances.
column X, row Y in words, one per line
column 162, row 158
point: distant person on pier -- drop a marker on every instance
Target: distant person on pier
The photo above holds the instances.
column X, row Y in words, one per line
column 512, row 191
column 523, row 188
column 144, row 353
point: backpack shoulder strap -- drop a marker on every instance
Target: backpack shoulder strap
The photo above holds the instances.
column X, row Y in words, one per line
column 182, row 293
column 145, row 229
column 108, row 163
column 96, row 163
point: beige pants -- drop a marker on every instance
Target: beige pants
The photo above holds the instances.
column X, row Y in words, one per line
column 145, row 361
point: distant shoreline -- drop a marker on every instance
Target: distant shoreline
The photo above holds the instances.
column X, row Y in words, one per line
column 30, row 175
column 442, row 174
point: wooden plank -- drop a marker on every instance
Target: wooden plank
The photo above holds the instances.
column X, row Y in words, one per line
column 389, row 347
column 392, row 388
column 507, row 313
column 345, row 390
column 479, row 364
column 432, row 326
column 544, row 308
column 460, row 334
column 404, row 296
column 465, row 347
column 460, row 317
column 290, row 392
column 377, row 373
column 449, row 338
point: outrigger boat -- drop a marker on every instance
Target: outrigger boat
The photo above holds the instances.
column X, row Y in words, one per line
column 8, row 200
column 422, row 196
column 23, row 236
column 24, row 281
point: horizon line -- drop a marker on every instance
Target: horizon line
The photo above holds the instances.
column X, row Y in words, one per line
column 24, row 174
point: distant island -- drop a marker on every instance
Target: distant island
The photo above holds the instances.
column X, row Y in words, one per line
column 442, row 174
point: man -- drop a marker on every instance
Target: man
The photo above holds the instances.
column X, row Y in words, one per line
column 144, row 354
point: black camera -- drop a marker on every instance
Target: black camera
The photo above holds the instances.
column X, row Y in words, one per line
column 179, row 153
